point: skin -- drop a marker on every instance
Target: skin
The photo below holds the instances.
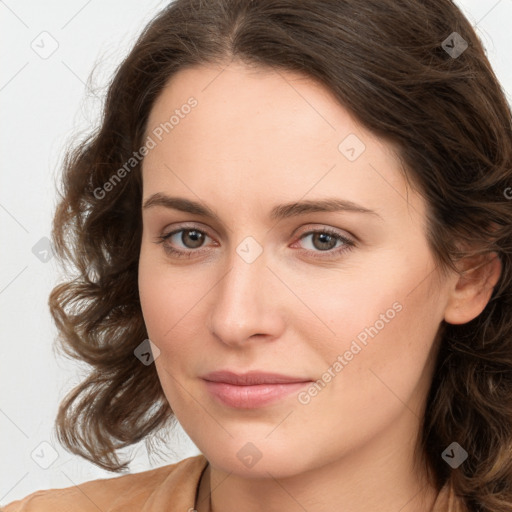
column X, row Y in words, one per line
column 258, row 138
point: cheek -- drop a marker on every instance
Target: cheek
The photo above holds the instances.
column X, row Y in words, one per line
column 384, row 338
column 381, row 321
column 171, row 303
column 164, row 305
column 162, row 295
column 152, row 298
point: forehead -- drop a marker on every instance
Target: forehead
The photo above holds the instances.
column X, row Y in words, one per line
column 255, row 104
column 275, row 133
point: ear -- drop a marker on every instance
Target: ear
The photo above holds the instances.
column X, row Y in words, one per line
column 472, row 290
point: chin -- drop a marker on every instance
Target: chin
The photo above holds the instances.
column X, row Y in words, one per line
column 257, row 459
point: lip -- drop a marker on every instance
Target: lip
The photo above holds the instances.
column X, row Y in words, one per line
column 252, row 378
column 252, row 389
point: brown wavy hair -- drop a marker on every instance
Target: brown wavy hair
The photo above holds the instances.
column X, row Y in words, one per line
column 385, row 61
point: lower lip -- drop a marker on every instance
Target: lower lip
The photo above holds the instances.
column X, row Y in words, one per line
column 249, row 397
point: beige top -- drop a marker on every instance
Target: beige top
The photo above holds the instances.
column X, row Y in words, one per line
column 170, row 488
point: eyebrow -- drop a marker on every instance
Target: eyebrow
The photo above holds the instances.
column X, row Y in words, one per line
column 279, row 212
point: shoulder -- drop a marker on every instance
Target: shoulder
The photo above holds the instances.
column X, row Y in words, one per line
column 128, row 492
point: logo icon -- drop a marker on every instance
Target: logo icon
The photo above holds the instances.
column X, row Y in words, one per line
column 454, row 455
column 249, row 249
column 249, row 455
column 351, row 147
column 45, row 45
column 44, row 455
column 454, row 45
column 147, row 352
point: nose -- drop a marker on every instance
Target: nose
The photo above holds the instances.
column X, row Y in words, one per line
column 248, row 303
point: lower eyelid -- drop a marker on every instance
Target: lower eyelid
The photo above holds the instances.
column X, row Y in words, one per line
column 347, row 243
column 302, row 236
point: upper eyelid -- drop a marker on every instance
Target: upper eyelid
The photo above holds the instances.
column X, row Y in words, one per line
column 188, row 228
column 306, row 231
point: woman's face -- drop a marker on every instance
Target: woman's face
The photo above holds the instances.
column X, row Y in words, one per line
column 354, row 307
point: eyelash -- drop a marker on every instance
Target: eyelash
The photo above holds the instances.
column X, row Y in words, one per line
column 328, row 254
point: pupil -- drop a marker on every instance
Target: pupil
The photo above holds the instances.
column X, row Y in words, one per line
column 195, row 236
column 325, row 238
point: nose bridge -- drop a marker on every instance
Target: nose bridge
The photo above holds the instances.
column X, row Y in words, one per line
column 243, row 305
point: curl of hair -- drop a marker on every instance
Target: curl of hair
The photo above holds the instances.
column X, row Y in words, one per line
column 384, row 61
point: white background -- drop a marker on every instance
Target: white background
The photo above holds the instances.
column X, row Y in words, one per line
column 44, row 103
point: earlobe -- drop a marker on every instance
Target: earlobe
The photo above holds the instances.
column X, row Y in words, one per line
column 472, row 290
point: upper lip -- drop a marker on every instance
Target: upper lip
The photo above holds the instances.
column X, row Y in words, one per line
column 251, row 378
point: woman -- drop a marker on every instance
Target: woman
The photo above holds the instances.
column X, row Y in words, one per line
column 292, row 234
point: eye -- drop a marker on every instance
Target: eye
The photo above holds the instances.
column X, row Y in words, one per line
column 192, row 238
column 324, row 243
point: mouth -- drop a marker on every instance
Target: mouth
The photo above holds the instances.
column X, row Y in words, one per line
column 252, row 389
